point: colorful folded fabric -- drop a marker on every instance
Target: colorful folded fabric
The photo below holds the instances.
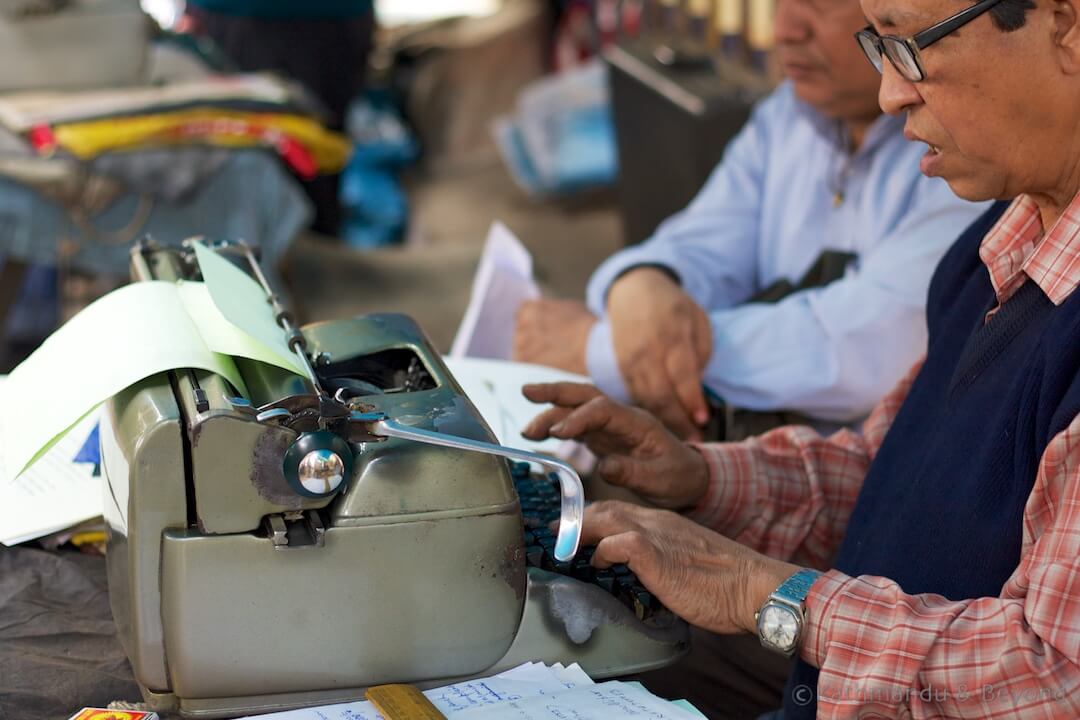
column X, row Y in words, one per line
column 302, row 142
column 21, row 111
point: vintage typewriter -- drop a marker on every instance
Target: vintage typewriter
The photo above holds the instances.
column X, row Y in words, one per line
column 321, row 534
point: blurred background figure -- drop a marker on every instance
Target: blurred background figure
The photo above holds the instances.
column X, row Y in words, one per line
column 323, row 44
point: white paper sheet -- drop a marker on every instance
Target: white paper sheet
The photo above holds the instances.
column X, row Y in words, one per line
column 502, row 283
column 593, row 702
column 128, row 335
column 244, row 305
column 54, row 494
column 494, row 387
column 460, row 699
column 532, row 691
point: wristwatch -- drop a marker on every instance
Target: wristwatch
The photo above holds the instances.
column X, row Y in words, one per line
column 780, row 620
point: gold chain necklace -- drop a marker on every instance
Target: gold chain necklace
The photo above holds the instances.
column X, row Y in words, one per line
column 837, row 177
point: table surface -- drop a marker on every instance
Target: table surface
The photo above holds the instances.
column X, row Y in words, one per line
column 59, row 650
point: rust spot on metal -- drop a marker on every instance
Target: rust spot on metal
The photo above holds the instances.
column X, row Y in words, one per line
column 512, row 568
column 267, row 475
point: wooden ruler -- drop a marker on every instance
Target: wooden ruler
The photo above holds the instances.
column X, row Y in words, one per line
column 402, row 702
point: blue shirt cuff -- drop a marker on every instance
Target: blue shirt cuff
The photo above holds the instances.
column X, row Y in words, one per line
column 602, row 365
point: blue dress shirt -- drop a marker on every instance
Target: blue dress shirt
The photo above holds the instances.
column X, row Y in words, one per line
column 765, row 214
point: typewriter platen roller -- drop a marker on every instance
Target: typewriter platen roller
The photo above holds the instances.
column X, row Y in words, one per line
column 297, row 544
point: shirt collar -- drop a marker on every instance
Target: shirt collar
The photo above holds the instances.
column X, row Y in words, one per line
column 1017, row 249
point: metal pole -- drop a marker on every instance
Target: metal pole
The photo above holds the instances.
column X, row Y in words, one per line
column 293, row 337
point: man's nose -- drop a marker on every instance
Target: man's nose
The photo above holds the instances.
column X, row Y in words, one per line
column 789, row 23
column 897, row 94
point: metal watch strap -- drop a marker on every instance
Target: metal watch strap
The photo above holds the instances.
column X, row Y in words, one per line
column 797, row 587
column 789, row 598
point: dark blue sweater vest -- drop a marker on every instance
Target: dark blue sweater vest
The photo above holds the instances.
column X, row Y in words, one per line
column 941, row 509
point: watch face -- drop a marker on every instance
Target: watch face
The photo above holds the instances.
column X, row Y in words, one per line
column 779, row 627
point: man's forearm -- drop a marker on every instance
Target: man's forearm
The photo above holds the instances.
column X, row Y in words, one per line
column 812, row 356
column 787, row 494
column 692, row 265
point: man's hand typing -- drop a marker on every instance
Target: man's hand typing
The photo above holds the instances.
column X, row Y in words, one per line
column 635, row 450
column 662, row 341
column 703, row 577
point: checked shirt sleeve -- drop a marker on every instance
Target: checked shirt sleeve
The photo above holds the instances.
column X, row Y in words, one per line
column 790, row 492
column 1014, row 656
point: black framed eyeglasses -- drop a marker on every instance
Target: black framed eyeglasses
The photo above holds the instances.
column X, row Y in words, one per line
column 903, row 53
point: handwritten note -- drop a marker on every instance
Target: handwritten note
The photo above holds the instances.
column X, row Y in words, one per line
column 533, row 691
column 596, row 702
column 458, row 700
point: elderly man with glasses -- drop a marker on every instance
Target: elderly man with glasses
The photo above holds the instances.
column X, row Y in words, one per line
column 795, row 282
column 929, row 567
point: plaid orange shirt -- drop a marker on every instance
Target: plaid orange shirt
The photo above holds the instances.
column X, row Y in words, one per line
column 882, row 652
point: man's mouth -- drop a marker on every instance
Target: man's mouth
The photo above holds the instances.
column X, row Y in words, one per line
column 797, row 63
column 915, row 137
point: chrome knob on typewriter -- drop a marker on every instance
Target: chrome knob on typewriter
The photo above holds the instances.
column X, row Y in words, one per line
column 297, row 540
column 321, row 472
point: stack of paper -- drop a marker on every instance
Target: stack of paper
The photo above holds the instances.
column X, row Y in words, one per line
column 533, row 691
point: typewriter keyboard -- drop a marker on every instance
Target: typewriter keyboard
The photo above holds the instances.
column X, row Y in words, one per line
column 540, row 505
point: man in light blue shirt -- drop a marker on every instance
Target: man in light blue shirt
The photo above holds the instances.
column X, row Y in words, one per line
column 816, row 168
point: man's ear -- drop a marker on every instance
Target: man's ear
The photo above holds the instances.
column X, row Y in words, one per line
column 1066, row 33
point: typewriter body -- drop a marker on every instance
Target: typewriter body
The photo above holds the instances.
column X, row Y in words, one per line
column 289, row 548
